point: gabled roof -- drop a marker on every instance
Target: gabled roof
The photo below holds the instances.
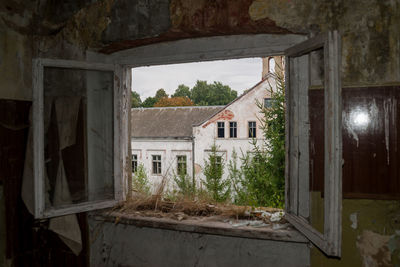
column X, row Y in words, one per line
column 233, row 101
column 168, row 122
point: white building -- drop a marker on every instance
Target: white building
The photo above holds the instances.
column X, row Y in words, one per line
column 170, row 138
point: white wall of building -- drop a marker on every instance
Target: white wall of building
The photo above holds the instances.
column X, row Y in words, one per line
column 169, row 150
column 243, row 110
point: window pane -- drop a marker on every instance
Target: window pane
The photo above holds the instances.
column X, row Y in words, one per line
column 252, row 129
column 134, row 163
column 267, row 102
column 182, row 166
column 221, row 129
column 233, row 129
column 78, row 142
column 156, row 164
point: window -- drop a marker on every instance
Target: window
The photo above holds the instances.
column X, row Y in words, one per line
column 267, row 102
column 182, row 165
column 252, row 129
column 77, row 160
column 300, row 67
column 271, row 65
column 221, row 129
column 232, row 129
column 134, row 162
column 156, row 164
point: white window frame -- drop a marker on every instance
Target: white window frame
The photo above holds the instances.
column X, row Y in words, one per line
column 297, row 140
column 158, row 161
column 38, row 137
column 248, row 129
column 231, row 128
column 223, row 123
column 184, row 162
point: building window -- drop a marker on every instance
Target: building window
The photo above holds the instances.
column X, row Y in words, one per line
column 271, row 65
column 267, row 102
column 134, row 162
column 221, row 129
column 182, row 165
column 218, row 161
column 252, row 129
column 156, row 164
column 232, row 129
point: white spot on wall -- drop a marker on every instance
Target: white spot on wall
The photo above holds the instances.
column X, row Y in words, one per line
column 354, row 221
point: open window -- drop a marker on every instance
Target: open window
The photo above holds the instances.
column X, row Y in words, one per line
column 77, row 132
column 312, row 69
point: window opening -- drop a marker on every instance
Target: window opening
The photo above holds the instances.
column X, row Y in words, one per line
column 232, row 129
column 182, row 165
column 156, row 164
column 267, row 102
column 252, row 129
column 271, row 65
column 221, row 129
column 134, row 163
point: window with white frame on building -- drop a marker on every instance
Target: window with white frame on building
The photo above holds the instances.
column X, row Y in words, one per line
column 252, row 129
column 134, row 162
column 156, row 164
column 181, row 165
column 221, row 129
column 232, row 129
column 267, row 102
column 271, row 65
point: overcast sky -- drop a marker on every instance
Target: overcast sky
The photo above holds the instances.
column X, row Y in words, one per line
column 239, row 74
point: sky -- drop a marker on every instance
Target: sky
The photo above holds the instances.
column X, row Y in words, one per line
column 239, row 74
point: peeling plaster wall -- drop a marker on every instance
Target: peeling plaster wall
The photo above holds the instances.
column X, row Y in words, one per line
column 370, row 33
column 368, row 233
column 127, row 245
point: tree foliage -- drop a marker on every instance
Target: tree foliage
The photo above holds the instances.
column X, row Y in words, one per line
column 135, row 100
column 263, row 169
column 160, row 94
column 182, row 91
column 149, row 102
column 205, row 94
column 174, row 102
column 218, row 188
column 140, row 182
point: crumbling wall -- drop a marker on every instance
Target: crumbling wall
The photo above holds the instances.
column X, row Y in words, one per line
column 370, row 233
column 114, row 244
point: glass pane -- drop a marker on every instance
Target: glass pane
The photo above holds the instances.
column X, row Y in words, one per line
column 78, row 142
column 317, row 139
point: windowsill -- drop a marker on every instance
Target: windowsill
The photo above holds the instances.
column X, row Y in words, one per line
column 202, row 227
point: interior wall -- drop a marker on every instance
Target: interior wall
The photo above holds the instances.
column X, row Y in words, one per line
column 2, row 227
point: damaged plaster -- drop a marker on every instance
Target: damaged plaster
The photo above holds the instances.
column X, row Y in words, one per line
column 369, row 29
column 373, row 249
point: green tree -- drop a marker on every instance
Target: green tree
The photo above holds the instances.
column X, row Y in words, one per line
column 218, row 188
column 263, row 169
column 135, row 100
column 140, row 182
column 238, row 183
column 160, row 94
column 149, row 102
column 212, row 94
column 185, row 184
column 182, row 91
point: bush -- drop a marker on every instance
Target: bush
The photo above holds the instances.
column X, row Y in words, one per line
column 185, row 185
column 140, row 182
column 218, row 188
column 239, row 185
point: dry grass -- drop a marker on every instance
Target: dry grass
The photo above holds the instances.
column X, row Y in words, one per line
column 183, row 207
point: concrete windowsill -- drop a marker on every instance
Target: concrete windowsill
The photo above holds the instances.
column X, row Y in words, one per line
column 203, row 227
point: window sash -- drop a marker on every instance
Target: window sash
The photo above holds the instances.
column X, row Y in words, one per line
column 156, row 164
column 181, row 165
column 134, row 163
column 221, row 129
column 297, row 182
column 232, row 129
column 40, row 210
column 252, row 129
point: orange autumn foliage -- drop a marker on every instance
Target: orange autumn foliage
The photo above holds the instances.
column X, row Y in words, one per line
column 174, row 102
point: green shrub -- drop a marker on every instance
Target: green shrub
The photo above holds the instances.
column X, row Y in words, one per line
column 140, row 182
column 218, row 188
column 185, row 185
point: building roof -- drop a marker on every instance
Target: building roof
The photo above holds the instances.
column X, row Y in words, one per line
column 169, row 122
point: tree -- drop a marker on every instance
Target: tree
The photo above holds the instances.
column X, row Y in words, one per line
column 140, row 182
column 149, row 102
column 205, row 94
column 160, row 94
column 174, row 102
column 218, row 188
column 263, row 170
column 135, row 100
column 183, row 91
